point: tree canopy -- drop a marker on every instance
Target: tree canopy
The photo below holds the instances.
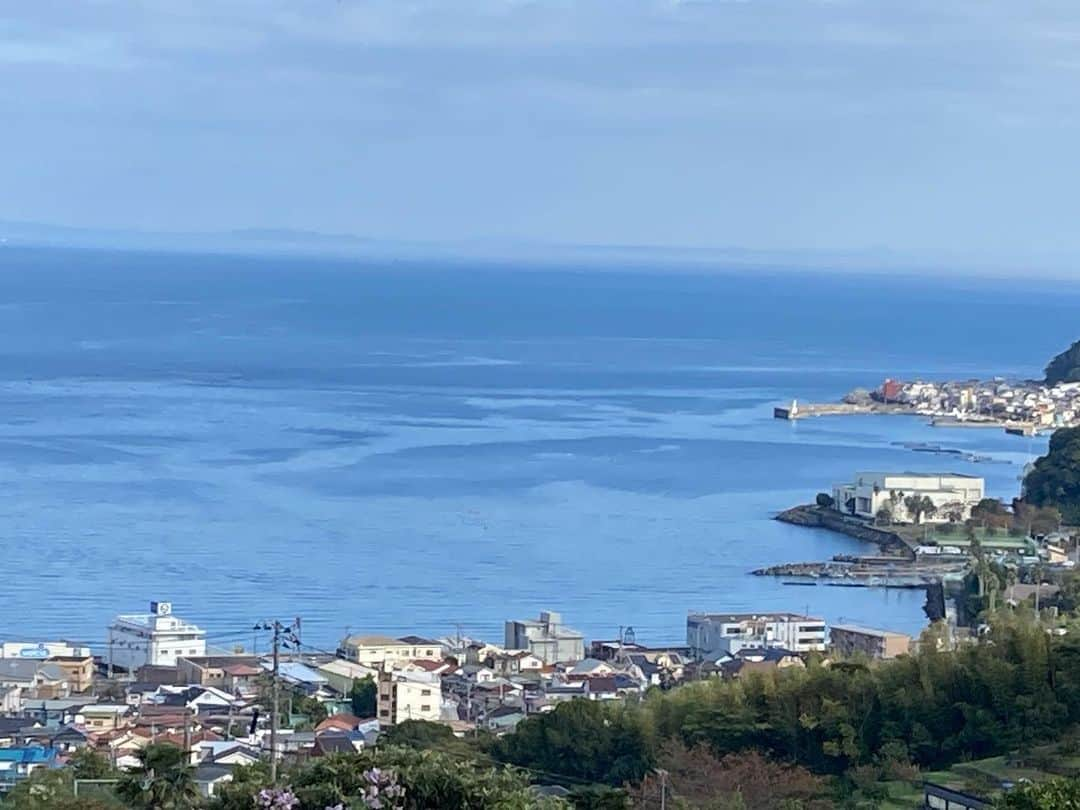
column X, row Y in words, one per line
column 1065, row 367
column 1055, row 479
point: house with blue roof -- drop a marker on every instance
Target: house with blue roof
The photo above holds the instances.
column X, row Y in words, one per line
column 17, row 764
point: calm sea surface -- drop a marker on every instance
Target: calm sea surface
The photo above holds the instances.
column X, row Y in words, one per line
column 395, row 448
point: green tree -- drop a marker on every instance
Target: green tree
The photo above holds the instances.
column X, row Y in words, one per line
column 430, row 780
column 824, row 500
column 918, row 506
column 311, row 708
column 419, row 734
column 86, row 763
column 1056, row 794
column 163, row 780
column 582, row 739
column 1055, row 478
column 364, row 697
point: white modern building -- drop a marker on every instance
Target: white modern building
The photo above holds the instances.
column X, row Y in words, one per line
column 548, row 639
column 713, row 634
column 156, row 638
column 952, row 495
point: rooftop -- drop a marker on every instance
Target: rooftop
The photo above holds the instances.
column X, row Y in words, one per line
column 375, row 641
column 868, row 631
column 751, row 617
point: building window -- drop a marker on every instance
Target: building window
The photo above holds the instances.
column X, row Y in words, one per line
column 384, row 713
column 425, row 693
column 425, row 708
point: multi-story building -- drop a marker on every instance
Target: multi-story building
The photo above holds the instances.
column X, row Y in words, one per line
column 849, row 639
column 381, row 652
column 413, row 695
column 156, row 638
column 709, row 634
column 79, row 670
column 548, row 639
column 952, row 494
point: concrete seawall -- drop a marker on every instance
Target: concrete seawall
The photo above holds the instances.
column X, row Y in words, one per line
column 890, row 543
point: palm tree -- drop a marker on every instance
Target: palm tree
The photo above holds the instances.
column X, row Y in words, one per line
column 919, row 505
column 163, row 780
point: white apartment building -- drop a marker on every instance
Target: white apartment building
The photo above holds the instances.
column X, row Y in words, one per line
column 379, row 652
column 714, row 634
column 548, row 639
column 951, row 493
column 156, row 638
column 409, row 696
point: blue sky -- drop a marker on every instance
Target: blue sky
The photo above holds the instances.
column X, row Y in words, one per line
column 931, row 127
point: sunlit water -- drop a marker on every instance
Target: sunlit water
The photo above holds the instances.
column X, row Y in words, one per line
column 403, row 449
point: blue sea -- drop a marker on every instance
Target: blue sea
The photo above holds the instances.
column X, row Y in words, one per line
column 405, row 446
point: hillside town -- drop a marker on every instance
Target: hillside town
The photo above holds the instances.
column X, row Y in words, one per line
column 160, row 680
column 1025, row 407
column 1025, row 402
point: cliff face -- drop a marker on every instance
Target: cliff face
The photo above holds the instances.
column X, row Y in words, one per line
column 816, row 516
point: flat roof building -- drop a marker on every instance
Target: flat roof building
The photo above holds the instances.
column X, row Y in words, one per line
column 714, row 634
column 547, row 638
column 951, row 494
column 850, row 639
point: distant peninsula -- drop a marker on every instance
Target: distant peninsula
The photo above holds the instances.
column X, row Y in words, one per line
column 1024, row 407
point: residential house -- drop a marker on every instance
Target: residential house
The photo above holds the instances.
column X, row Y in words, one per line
column 227, row 752
column 104, row 716
column 379, row 652
column 850, row 639
column 590, row 668
column 514, row 662
column 341, row 674
column 503, row 719
column 760, row 660
column 242, row 679
column 55, row 711
column 64, row 739
column 712, row 634
column 299, row 676
column 209, row 670
column 210, row 777
column 336, row 741
column 408, row 696
column 35, row 678
column 17, row 764
column 341, row 722
column 654, row 667
column 13, row 729
column 157, row 638
column 547, row 638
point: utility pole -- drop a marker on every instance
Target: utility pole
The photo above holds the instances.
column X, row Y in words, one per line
column 283, row 635
column 663, row 788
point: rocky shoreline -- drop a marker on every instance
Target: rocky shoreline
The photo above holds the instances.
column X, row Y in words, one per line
column 891, row 543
